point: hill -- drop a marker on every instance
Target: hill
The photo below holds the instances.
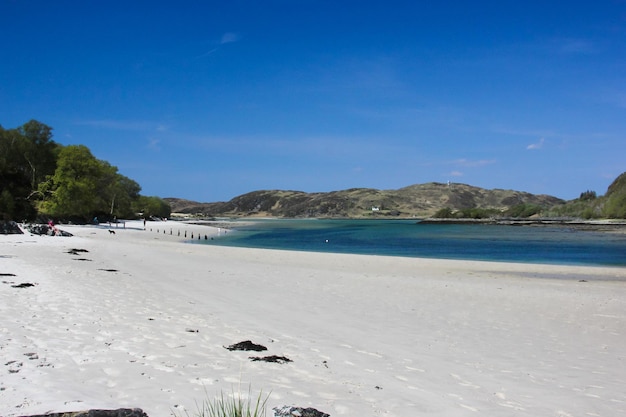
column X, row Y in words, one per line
column 420, row 200
column 588, row 206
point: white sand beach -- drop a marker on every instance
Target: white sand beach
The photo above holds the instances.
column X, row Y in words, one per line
column 140, row 319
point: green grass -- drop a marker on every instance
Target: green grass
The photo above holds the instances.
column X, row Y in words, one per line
column 234, row 405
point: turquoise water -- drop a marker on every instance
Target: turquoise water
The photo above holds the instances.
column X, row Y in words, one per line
column 546, row 244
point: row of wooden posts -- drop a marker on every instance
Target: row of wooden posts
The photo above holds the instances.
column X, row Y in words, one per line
column 206, row 237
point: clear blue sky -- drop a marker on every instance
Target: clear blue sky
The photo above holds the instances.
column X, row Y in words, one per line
column 207, row 100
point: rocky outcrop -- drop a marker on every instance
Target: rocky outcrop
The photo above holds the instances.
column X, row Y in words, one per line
column 44, row 229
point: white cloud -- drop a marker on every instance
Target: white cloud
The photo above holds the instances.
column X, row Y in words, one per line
column 535, row 146
column 229, row 37
column 455, row 174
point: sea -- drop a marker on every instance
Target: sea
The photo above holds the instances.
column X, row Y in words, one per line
column 562, row 245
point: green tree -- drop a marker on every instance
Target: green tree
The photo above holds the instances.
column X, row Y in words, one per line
column 116, row 192
column 27, row 155
column 83, row 186
column 588, row 195
column 73, row 189
column 36, row 172
column 152, row 206
column 7, row 205
column 123, row 193
column 41, row 151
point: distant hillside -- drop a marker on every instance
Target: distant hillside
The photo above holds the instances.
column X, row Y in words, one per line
column 420, row 200
column 615, row 204
column 611, row 205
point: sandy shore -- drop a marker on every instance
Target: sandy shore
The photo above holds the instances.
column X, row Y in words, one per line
column 139, row 319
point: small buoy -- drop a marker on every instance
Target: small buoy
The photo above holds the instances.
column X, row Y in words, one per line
column 326, row 240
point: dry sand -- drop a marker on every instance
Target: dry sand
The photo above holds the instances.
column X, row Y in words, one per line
column 141, row 320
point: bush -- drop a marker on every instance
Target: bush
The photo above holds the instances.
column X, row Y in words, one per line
column 478, row 213
column 615, row 206
column 444, row 213
column 523, row 210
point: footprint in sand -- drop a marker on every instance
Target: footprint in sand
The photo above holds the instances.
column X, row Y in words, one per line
column 463, row 382
column 467, row 407
column 376, row 355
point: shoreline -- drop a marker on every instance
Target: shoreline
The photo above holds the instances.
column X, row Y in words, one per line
column 602, row 225
column 143, row 321
column 615, row 226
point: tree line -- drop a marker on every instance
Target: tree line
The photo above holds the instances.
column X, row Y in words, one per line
column 40, row 178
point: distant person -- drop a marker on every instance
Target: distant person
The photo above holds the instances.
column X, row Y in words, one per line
column 53, row 230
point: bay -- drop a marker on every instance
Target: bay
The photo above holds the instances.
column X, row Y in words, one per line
column 409, row 238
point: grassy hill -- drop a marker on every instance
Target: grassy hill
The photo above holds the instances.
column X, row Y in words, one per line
column 420, row 200
column 611, row 205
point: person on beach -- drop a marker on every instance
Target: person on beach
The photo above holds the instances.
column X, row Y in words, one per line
column 53, row 230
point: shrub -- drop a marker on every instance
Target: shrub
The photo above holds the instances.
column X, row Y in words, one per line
column 523, row 210
column 444, row 213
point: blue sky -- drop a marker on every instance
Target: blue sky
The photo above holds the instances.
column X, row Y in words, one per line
column 207, row 100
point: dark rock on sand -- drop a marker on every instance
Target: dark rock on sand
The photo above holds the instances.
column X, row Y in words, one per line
column 10, row 228
column 288, row 411
column 122, row 412
column 44, row 229
column 77, row 251
column 247, row 345
column 23, row 285
column 272, row 358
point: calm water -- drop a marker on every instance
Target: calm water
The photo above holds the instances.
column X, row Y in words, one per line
column 554, row 245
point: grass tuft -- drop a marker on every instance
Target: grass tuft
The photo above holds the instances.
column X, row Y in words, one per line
column 234, row 405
